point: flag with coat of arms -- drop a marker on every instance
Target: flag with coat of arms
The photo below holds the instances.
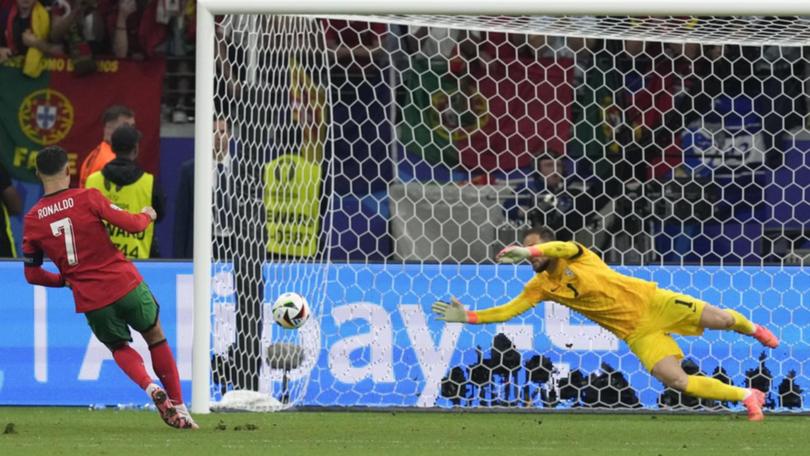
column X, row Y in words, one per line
column 58, row 108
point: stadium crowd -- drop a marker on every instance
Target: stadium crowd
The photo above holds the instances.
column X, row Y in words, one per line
column 87, row 29
column 666, row 147
column 636, row 154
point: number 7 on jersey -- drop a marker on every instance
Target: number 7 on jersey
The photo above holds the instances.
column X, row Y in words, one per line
column 66, row 226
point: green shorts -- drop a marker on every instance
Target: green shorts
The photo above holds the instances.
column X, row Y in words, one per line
column 137, row 309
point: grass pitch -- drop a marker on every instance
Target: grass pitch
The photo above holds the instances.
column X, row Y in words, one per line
column 69, row 431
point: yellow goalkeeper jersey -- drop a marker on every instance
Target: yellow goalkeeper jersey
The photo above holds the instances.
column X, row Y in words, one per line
column 582, row 281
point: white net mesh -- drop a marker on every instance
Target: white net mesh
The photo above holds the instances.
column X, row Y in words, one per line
column 780, row 31
column 268, row 197
column 376, row 165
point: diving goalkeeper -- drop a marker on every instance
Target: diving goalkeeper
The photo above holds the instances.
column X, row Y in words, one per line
column 635, row 310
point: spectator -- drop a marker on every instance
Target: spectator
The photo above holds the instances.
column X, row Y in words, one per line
column 113, row 117
column 184, row 212
column 79, row 26
column 135, row 30
column 237, row 99
column 536, row 189
column 25, row 25
column 129, row 187
column 552, row 198
column 10, row 204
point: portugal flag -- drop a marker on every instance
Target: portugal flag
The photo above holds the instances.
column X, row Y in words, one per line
column 59, row 109
column 494, row 118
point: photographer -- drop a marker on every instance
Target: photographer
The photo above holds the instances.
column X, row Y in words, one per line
column 549, row 197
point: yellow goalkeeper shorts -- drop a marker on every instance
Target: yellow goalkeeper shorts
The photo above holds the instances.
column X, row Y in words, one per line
column 669, row 312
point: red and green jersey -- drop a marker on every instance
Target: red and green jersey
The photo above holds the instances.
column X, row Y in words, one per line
column 67, row 227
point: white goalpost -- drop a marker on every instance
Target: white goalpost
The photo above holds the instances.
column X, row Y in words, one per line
column 203, row 219
column 516, row 7
column 377, row 155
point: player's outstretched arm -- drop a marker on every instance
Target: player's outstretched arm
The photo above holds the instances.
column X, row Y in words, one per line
column 132, row 223
column 553, row 249
column 455, row 312
column 451, row 312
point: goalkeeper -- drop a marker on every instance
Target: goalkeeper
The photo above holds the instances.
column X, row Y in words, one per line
column 635, row 310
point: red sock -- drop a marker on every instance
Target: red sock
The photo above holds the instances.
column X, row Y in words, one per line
column 166, row 369
column 132, row 364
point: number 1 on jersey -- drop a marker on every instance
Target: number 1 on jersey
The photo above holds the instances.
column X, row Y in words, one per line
column 66, row 226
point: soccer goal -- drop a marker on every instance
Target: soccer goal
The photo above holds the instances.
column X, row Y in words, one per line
column 381, row 154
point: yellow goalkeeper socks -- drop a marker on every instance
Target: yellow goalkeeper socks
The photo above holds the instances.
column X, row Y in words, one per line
column 711, row 388
column 741, row 324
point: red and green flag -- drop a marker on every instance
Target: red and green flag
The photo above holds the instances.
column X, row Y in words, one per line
column 58, row 108
column 496, row 118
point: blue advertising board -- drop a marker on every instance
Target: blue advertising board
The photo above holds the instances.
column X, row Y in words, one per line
column 374, row 341
column 49, row 357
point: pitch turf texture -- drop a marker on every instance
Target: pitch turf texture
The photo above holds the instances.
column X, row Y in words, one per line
column 69, row 431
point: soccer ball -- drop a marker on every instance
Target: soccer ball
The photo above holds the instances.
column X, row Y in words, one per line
column 291, row 310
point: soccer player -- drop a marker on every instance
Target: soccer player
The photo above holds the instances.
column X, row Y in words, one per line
column 635, row 310
column 66, row 225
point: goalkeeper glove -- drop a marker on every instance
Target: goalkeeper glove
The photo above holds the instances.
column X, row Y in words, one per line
column 516, row 254
column 452, row 312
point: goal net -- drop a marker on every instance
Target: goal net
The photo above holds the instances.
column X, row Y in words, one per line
column 376, row 164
